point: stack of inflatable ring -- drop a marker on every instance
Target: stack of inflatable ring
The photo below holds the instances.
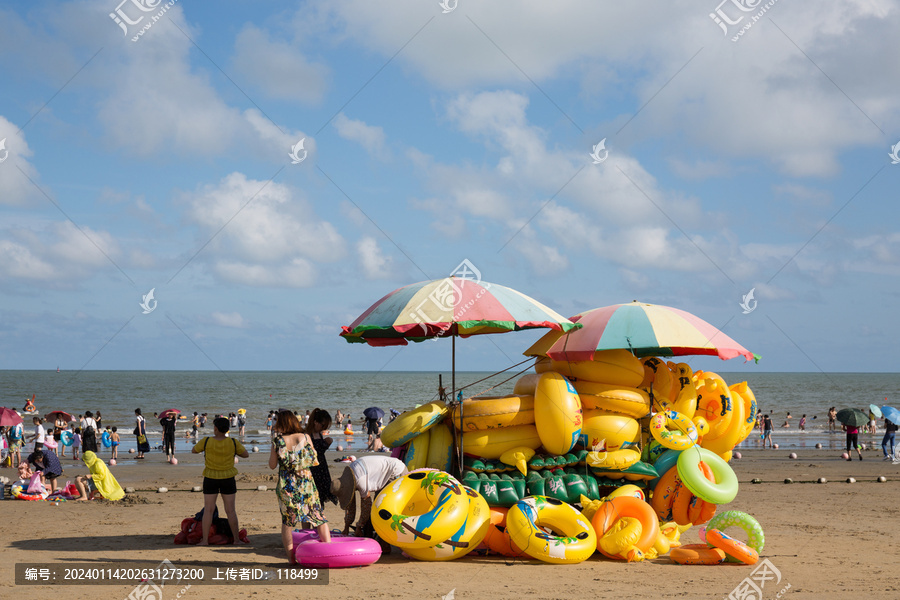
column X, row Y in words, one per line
column 735, row 550
column 431, row 515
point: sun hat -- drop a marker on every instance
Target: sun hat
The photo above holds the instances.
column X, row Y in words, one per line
column 344, row 487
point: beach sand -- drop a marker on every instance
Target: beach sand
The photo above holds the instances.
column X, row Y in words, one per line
column 828, row 541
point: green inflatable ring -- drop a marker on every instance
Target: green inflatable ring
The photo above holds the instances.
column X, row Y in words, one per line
column 722, row 491
column 756, row 539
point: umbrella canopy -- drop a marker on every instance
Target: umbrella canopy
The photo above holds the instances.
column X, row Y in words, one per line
column 449, row 307
column 9, row 417
column 645, row 329
column 852, row 417
column 873, row 408
column 373, row 412
column 891, row 414
column 53, row 415
column 169, row 411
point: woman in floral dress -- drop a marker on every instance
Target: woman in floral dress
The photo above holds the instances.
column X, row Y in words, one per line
column 293, row 454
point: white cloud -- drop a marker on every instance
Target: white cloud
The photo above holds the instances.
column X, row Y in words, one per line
column 759, row 99
column 57, row 254
column 277, row 68
column 15, row 189
column 373, row 262
column 370, row 137
column 233, row 319
column 270, row 235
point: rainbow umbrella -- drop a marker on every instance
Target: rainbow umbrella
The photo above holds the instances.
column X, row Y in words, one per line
column 450, row 307
column 645, row 329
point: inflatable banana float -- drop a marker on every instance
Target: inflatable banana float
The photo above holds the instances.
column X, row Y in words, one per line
column 526, row 384
column 413, row 422
column 493, row 443
column 609, row 431
column 557, row 413
column 632, row 402
column 617, row 367
column 479, row 414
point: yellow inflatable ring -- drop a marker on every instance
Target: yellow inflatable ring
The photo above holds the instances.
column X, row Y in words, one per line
column 528, row 516
column 526, row 384
column 420, row 509
column 633, row 402
column 492, row 412
column 557, row 413
column 467, row 537
column 684, row 438
column 413, row 422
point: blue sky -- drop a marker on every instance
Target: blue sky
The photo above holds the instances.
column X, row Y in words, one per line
column 433, row 137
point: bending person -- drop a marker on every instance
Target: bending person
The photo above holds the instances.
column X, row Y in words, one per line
column 99, row 480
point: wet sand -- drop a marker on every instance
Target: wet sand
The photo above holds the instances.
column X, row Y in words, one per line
column 828, row 541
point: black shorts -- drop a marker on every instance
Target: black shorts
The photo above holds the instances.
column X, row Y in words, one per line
column 225, row 487
column 38, row 446
column 371, row 427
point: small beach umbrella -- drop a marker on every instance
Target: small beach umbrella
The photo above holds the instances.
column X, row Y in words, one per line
column 644, row 329
column 891, row 414
column 53, row 415
column 852, row 417
column 875, row 411
column 9, row 417
column 374, row 413
column 169, row 411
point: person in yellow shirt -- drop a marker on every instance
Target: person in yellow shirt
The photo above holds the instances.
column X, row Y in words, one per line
column 218, row 476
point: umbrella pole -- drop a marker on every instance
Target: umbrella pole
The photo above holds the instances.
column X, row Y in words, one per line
column 452, row 400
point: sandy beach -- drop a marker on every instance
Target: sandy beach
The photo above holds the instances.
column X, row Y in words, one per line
column 827, row 541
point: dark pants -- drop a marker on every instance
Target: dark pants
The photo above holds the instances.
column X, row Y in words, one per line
column 169, row 442
column 852, row 441
column 888, row 437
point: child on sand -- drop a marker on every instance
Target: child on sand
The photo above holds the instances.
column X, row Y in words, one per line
column 114, row 443
column 39, row 434
column 76, row 443
column 99, row 480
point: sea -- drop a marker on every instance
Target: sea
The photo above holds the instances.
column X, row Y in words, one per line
column 115, row 394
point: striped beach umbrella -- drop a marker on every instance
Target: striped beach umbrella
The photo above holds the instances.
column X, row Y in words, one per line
column 451, row 306
column 645, row 329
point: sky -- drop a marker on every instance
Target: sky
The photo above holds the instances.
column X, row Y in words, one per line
column 583, row 153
